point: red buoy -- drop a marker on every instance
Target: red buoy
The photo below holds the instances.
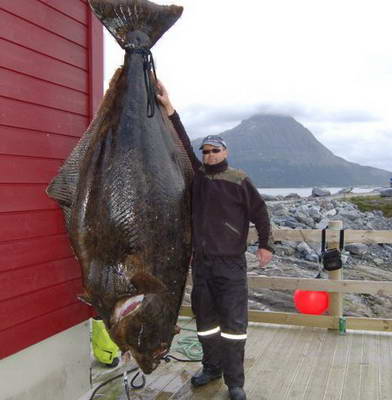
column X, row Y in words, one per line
column 311, row 301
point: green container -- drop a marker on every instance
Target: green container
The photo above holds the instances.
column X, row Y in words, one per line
column 342, row 325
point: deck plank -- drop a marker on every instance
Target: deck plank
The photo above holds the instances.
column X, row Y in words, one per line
column 308, row 362
column 338, row 369
column 369, row 368
column 294, row 367
column 385, row 366
column 318, row 383
column 351, row 389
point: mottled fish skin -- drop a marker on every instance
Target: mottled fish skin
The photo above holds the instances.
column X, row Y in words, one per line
column 125, row 193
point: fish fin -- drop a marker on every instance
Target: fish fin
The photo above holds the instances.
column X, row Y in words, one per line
column 147, row 283
column 123, row 16
column 63, row 187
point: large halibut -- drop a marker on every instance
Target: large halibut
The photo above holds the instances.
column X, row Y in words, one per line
column 125, row 193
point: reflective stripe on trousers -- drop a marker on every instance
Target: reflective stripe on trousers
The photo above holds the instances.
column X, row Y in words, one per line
column 229, row 336
column 209, row 332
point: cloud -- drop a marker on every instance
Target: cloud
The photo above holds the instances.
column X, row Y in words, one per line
column 201, row 120
column 204, row 119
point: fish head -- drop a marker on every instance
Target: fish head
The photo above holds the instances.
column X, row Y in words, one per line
column 143, row 325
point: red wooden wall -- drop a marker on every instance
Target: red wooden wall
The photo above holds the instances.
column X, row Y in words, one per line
column 51, row 81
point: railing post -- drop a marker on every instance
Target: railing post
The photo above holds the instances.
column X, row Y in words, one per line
column 335, row 299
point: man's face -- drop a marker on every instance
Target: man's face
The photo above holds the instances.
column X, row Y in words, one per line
column 214, row 156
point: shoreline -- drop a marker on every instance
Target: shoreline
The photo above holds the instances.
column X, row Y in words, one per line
column 333, row 196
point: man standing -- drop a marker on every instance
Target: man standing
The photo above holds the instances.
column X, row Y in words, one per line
column 224, row 201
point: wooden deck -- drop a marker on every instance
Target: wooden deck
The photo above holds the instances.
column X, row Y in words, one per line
column 282, row 362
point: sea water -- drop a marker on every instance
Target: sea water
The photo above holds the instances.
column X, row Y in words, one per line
column 307, row 191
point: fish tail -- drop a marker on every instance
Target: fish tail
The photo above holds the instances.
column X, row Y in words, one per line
column 121, row 17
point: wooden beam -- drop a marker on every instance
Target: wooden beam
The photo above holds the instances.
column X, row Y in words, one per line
column 314, row 235
column 369, row 324
column 318, row 321
column 321, row 321
column 380, row 288
column 281, row 318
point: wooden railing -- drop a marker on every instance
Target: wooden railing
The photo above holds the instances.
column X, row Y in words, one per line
column 335, row 284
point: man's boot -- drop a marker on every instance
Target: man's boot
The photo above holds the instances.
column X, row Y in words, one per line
column 205, row 376
column 211, row 361
column 237, row 393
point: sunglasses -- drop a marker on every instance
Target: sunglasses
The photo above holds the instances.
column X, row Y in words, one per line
column 205, row 152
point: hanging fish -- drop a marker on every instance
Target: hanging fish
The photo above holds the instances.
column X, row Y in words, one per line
column 125, row 194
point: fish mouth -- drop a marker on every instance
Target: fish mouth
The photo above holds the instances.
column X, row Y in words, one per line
column 147, row 362
column 128, row 307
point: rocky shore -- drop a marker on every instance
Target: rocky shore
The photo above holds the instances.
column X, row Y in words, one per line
column 300, row 259
column 361, row 261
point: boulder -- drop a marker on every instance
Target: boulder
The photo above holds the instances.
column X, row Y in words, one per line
column 326, row 204
column 279, row 210
column 301, row 217
column 330, row 213
column 282, row 250
column 357, row 248
column 304, row 248
column 318, row 192
column 322, row 224
column 344, row 258
column 346, row 190
column 314, row 212
column 303, row 208
column 312, row 257
column 268, row 197
column 351, row 215
column 292, row 196
column 291, row 222
column 386, row 193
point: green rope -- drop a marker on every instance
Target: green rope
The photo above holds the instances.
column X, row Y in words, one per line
column 189, row 346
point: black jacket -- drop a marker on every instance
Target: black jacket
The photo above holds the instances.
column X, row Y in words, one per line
column 223, row 202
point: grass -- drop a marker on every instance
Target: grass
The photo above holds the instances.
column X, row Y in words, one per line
column 371, row 203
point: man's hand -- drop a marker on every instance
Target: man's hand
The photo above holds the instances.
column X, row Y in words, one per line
column 264, row 256
column 163, row 98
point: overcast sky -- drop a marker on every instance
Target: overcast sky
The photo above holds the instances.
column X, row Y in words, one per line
column 326, row 63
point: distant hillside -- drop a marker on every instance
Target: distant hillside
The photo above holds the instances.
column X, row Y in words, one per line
column 277, row 151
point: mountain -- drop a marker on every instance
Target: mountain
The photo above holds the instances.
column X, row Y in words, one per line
column 277, row 151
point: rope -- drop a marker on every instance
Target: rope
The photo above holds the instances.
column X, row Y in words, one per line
column 190, row 347
column 149, row 72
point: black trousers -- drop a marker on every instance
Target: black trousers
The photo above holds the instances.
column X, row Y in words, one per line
column 220, row 303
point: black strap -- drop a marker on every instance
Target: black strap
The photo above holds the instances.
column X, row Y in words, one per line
column 323, row 240
column 341, row 240
column 148, row 69
column 323, row 234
